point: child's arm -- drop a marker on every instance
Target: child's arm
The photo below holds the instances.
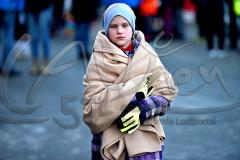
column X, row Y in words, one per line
column 153, row 106
column 139, row 111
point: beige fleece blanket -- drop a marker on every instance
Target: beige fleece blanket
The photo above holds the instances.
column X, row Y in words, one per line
column 110, row 82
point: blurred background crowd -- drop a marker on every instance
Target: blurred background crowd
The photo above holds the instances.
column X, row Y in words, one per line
column 216, row 22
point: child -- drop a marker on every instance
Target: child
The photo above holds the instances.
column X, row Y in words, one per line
column 122, row 64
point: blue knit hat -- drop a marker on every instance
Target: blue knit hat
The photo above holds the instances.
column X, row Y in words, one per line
column 118, row 9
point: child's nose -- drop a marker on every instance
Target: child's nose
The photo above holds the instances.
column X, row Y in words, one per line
column 120, row 30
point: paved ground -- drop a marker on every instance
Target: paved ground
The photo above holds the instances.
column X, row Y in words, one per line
column 202, row 124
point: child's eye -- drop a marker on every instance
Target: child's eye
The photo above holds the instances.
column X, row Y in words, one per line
column 113, row 26
column 125, row 25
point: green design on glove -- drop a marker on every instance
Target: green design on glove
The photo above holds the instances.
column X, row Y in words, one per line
column 131, row 121
column 144, row 92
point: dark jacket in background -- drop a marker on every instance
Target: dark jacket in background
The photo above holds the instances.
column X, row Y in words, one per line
column 84, row 10
column 36, row 6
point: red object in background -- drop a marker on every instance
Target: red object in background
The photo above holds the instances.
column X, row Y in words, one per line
column 149, row 7
column 189, row 6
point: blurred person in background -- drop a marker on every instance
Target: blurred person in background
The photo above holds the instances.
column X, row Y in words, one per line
column 177, row 7
column 8, row 9
column 189, row 20
column 149, row 11
column 214, row 18
column 39, row 15
column 172, row 17
column 58, row 20
column 233, row 32
column 167, row 18
column 84, row 12
column 200, row 16
column 23, row 40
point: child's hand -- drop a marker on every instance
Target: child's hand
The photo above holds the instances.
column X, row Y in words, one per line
column 130, row 122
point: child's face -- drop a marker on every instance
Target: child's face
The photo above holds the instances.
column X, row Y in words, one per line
column 120, row 32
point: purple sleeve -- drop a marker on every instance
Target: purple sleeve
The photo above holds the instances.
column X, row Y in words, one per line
column 153, row 106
